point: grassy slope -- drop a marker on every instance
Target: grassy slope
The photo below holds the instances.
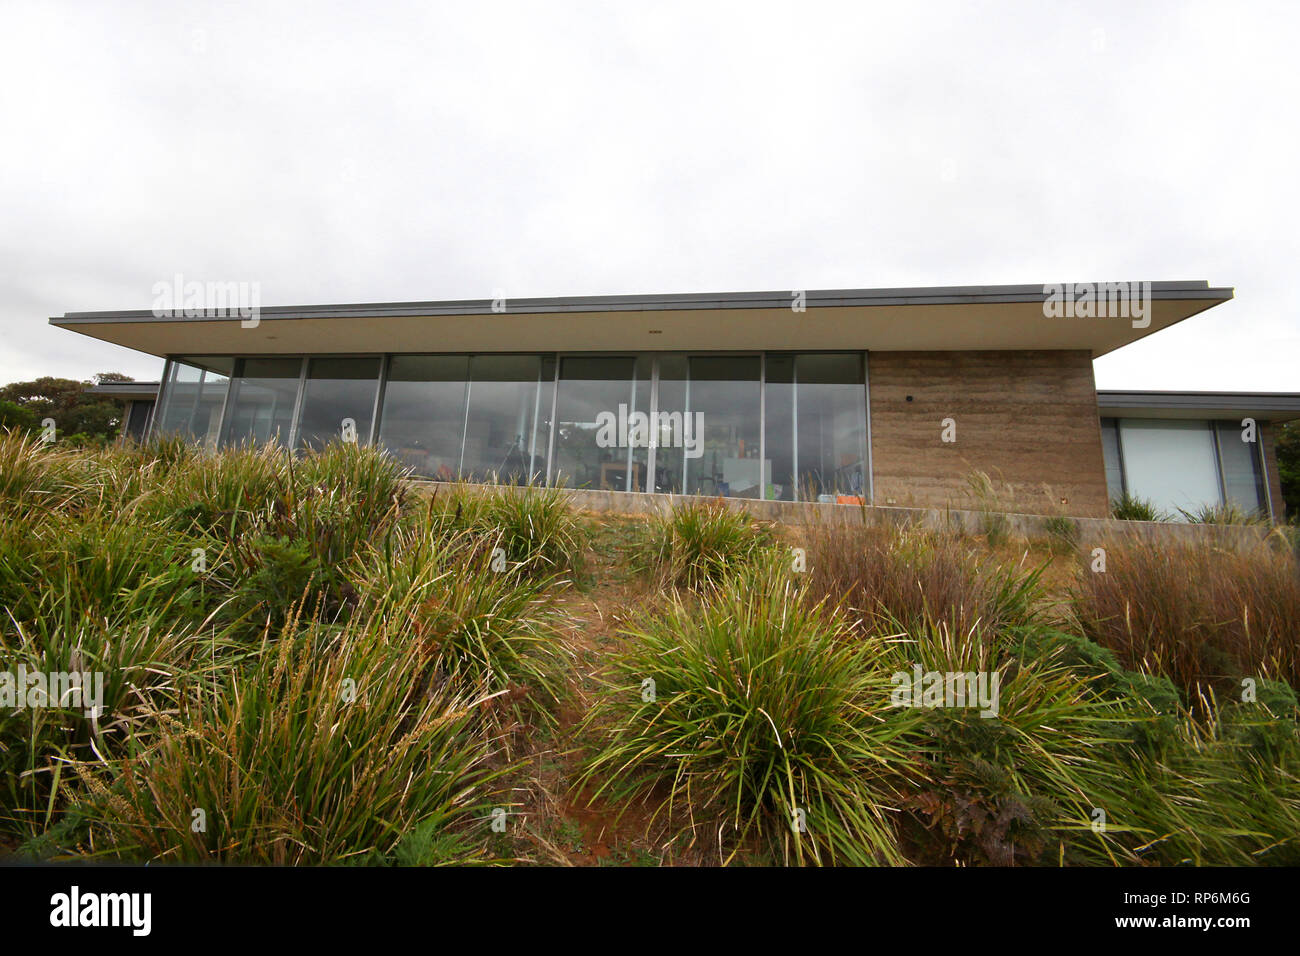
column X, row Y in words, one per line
column 97, row 548
column 560, row 827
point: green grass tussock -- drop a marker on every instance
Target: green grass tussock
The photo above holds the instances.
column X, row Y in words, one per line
column 698, row 543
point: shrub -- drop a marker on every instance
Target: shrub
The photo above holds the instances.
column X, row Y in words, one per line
column 94, row 565
column 991, row 501
column 764, row 711
column 360, row 480
column 216, row 494
column 35, row 478
column 907, row 579
column 1062, row 532
column 1214, row 796
column 699, row 543
column 274, row 575
column 1229, row 514
column 283, row 532
column 495, row 628
column 1265, row 725
column 996, row 528
column 1008, row 784
column 1151, row 703
column 144, row 665
column 1132, row 508
column 1201, row 615
column 535, row 525
column 333, row 746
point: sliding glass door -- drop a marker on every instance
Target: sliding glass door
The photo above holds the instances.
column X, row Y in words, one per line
column 830, row 427
column 669, row 456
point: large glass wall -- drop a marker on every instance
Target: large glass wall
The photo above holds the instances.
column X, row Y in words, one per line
column 706, row 425
column 642, row 405
column 137, row 419
column 338, row 401
column 777, row 426
column 539, row 449
column 831, row 428
column 193, row 395
column 482, row 417
column 263, row 398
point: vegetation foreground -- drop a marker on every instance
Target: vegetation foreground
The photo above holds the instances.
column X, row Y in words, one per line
column 310, row 661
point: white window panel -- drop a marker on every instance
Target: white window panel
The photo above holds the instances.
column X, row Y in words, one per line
column 1170, row 463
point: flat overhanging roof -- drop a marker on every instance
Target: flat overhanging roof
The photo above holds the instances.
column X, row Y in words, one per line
column 1262, row 406
column 922, row 319
column 126, row 390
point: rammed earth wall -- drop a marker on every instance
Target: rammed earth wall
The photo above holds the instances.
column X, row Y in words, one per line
column 1027, row 419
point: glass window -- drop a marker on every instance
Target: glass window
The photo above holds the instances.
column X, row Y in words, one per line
column 339, row 398
column 539, row 448
column 670, row 474
column 1242, row 476
column 262, row 400
column 596, row 425
column 830, row 426
column 501, row 434
column 1170, row 462
column 193, row 396
column 779, row 422
column 639, row 453
column 720, row 436
column 816, row 421
column 137, row 419
column 423, row 418
column 1111, row 456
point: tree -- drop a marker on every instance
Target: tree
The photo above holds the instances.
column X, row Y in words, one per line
column 1288, row 466
column 13, row 415
column 76, row 412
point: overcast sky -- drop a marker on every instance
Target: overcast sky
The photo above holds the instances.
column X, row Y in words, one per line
column 337, row 152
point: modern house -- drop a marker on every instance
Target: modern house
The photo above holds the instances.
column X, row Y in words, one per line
column 138, row 400
column 891, row 396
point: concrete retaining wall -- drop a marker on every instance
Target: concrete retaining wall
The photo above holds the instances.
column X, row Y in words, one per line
column 1019, row 526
